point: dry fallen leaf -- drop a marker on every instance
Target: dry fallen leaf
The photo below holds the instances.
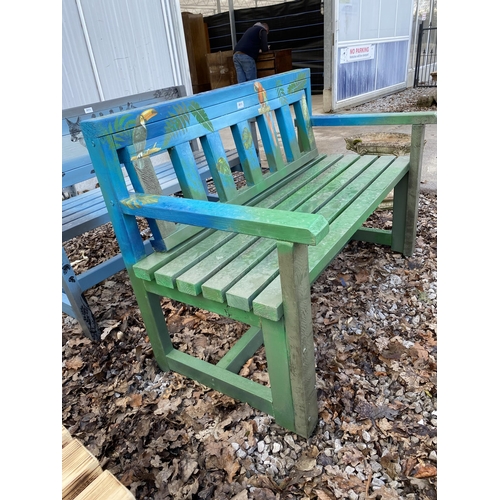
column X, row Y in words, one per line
column 305, row 463
column 74, row 363
column 424, row 471
column 385, row 493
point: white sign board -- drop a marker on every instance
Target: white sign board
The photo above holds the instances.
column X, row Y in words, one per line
column 357, row 53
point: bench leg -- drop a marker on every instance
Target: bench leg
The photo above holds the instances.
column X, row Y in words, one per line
column 79, row 307
column 154, row 321
column 290, row 345
column 406, row 197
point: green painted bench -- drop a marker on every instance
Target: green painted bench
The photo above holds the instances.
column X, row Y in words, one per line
column 84, row 209
column 253, row 255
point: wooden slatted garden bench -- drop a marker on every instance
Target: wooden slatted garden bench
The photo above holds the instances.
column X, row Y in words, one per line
column 85, row 210
column 253, row 255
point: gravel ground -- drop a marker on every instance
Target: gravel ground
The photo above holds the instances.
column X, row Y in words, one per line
column 404, row 101
column 167, row 437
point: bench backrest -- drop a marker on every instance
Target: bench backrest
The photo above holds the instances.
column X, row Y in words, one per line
column 76, row 164
column 281, row 106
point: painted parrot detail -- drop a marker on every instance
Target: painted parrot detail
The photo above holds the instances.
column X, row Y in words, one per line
column 144, row 166
column 264, row 107
column 139, row 136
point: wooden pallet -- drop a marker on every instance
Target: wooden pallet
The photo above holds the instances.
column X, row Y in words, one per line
column 83, row 478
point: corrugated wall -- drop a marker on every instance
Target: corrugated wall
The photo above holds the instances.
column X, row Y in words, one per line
column 117, row 48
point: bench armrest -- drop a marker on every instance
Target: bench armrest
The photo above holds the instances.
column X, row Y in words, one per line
column 294, row 227
column 345, row 120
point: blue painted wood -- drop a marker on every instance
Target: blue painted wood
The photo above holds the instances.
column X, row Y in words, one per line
column 88, row 211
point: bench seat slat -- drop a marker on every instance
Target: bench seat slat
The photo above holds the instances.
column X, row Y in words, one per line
column 243, row 292
column 167, row 274
column 281, row 197
column 269, row 303
column 226, row 261
column 299, row 189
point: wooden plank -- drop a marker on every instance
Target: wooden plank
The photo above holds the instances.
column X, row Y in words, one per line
column 167, row 274
column 222, row 380
column 416, row 154
column 346, row 212
column 79, row 469
column 295, row 286
column 191, row 280
column 242, row 351
column 288, row 197
column 241, row 294
column 187, row 172
column 219, row 166
column 287, row 132
column 216, row 287
column 105, row 487
column 256, row 221
column 248, row 154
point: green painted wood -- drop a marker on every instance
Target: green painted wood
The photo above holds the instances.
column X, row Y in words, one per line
column 216, row 287
column 305, row 132
column 241, row 294
column 289, row 197
column 196, row 274
column 167, row 274
column 351, row 219
column 154, row 321
column 229, row 383
column 373, row 235
column 416, row 154
column 242, row 350
column 294, row 274
column 269, row 303
column 278, row 367
column 346, row 213
column 369, row 119
column 400, row 204
column 202, row 303
column 346, row 179
column 340, row 193
column 146, row 267
column 282, row 188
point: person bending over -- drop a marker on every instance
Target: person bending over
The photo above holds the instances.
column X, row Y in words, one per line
column 247, row 50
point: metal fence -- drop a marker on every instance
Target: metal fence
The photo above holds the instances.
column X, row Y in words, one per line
column 426, row 61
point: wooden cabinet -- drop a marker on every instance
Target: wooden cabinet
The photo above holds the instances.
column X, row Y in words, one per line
column 197, row 45
column 222, row 73
column 273, row 62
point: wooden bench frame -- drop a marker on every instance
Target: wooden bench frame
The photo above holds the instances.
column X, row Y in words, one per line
column 252, row 256
column 84, row 211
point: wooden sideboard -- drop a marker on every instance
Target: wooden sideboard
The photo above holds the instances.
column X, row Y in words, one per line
column 222, row 73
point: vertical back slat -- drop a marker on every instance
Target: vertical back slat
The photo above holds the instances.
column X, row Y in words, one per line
column 287, row 132
column 270, row 141
column 187, row 171
column 246, row 150
column 219, row 166
column 307, row 141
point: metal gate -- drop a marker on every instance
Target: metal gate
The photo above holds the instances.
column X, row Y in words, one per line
column 426, row 61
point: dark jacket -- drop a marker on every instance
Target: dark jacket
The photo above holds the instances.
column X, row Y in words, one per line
column 253, row 40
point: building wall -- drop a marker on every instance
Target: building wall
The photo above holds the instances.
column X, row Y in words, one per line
column 117, row 48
